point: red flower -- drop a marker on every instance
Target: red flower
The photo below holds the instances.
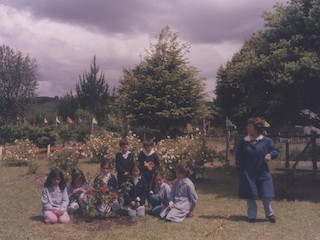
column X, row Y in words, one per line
column 150, row 166
column 89, row 191
column 103, row 189
column 114, row 196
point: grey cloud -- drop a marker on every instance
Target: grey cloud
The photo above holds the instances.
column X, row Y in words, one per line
column 199, row 22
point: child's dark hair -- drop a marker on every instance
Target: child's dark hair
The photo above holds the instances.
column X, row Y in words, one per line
column 76, row 173
column 136, row 165
column 104, row 162
column 55, row 173
column 123, row 142
column 257, row 123
column 148, row 143
column 159, row 173
column 181, row 168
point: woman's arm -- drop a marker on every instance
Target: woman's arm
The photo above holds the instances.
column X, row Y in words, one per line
column 239, row 156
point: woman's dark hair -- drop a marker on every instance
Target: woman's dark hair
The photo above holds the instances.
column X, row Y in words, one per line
column 76, row 173
column 257, row 123
column 148, row 143
column 158, row 173
column 123, row 142
column 55, row 173
column 104, row 162
column 136, row 165
column 181, row 168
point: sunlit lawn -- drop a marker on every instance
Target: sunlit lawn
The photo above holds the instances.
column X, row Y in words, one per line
column 219, row 214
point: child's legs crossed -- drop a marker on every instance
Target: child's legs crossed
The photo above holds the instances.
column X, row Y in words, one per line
column 64, row 218
column 141, row 211
column 49, row 216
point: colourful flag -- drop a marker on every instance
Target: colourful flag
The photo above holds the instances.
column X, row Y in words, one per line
column 229, row 124
column 57, row 119
column 45, row 121
column 266, row 124
column 69, row 120
column 94, row 121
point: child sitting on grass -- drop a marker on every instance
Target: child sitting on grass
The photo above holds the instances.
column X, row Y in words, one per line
column 159, row 195
column 182, row 198
column 55, row 198
column 77, row 191
column 136, row 197
column 106, row 182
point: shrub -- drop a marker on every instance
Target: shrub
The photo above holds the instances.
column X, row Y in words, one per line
column 105, row 144
column 66, row 160
column 193, row 152
column 21, row 153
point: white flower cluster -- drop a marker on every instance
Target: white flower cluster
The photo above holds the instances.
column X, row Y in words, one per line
column 22, row 152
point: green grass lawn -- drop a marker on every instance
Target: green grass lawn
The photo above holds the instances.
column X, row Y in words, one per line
column 219, row 214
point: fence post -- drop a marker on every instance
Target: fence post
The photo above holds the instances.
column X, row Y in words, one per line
column 1, row 149
column 287, row 154
column 48, row 151
column 228, row 148
column 314, row 151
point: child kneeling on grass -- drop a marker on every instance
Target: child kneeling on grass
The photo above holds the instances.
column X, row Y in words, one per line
column 136, row 197
column 160, row 194
column 106, row 182
column 55, row 198
column 182, row 198
column 77, row 191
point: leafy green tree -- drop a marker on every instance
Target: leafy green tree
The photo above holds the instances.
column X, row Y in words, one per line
column 18, row 83
column 92, row 92
column 163, row 91
column 67, row 106
column 276, row 73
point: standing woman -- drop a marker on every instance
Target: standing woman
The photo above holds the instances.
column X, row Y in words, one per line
column 252, row 156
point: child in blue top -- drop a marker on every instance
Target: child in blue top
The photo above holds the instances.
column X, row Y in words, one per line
column 55, row 198
column 160, row 194
column 108, row 180
column 149, row 162
column 136, row 197
column 124, row 162
column 77, row 191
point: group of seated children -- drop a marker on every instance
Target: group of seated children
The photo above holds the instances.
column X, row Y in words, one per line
column 147, row 184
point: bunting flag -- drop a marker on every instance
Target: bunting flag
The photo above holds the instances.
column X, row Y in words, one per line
column 57, row 119
column 229, row 124
column 45, row 121
column 266, row 124
column 69, row 120
column 94, row 121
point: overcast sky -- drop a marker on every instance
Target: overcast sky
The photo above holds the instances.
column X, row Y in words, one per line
column 64, row 35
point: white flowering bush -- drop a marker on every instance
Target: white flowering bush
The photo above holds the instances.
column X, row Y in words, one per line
column 21, row 153
column 105, row 144
column 66, row 160
column 193, row 152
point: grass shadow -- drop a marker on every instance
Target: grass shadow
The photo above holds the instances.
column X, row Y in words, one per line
column 234, row 218
column 38, row 218
column 223, row 182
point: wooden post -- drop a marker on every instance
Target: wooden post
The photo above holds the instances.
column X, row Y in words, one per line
column 228, row 148
column 314, row 151
column 48, row 151
column 287, row 154
column 1, row 149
